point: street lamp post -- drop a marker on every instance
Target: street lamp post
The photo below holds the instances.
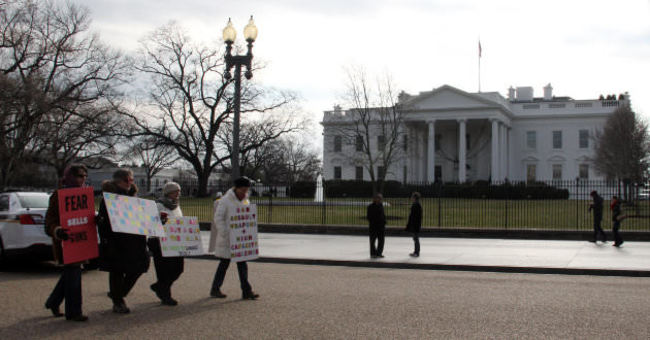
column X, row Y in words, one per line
column 229, row 35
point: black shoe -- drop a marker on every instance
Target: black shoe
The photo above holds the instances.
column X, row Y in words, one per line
column 250, row 295
column 373, row 256
column 217, row 294
column 617, row 244
column 380, row 256
column 121, row 308
column 154, row 287
column 414, row 255
column 592, row 241
column 55, row 311
column 79, row 317
column 169, row 301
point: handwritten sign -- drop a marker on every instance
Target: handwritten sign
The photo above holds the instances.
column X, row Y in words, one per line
column 183, row 237
column 77, row 218
column 242, row 222
column 133, row 215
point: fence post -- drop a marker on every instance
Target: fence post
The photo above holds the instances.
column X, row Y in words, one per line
column 577, row 202
column 271, row 205
column 439, row 203
column 506, row 189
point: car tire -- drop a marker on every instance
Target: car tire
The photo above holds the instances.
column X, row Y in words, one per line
column 3, row 257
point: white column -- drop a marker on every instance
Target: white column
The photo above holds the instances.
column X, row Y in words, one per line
column 431, row 152
column 502, row 152
column 462, row 150
column 494, row 163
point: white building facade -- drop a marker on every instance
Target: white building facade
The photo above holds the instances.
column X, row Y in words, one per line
column 454, row 136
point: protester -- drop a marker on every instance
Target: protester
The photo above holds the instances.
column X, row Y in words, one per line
column 415, row 222
column 123, row 255
column 234, row 197
column 376, row 226
column 69, row 285
column 615, row 206
column 168, row 269
column 597, row 207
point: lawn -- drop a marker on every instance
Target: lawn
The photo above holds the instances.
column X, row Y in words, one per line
column 445, row 213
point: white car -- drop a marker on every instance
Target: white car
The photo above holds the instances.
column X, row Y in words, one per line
column 22, row 215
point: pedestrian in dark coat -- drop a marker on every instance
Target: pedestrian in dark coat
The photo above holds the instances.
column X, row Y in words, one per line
column 615, row 206
column 168, row 269
column 124, row 256
column 415, row 222
column 376, row 225
column 597, row 207
column 68, row 287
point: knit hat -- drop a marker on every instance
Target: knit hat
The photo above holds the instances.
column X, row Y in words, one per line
column 242, row 182
column 170, row 187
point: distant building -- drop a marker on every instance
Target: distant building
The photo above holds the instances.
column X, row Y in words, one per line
column 519, row 138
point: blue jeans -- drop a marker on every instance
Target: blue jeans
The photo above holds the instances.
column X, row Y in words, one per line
column 242, row 270
column 68, row 288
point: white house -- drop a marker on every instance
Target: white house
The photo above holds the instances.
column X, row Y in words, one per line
column 453, row 135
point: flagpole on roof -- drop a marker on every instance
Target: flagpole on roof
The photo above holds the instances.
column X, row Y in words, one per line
column 479, row 65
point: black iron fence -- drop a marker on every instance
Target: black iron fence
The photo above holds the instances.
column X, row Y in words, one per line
column 549, row 205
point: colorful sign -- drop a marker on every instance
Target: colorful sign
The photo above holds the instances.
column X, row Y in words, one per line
column 183, row 237
column 133, row 215
column 77, row 218
column 242, row 222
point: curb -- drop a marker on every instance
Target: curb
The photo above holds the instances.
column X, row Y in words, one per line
column 452, row 267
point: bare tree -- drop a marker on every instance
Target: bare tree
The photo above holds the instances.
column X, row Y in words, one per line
column 152, row 156
column 623, row 147
column 50, row 66
column 374, row 112
column 191, row 101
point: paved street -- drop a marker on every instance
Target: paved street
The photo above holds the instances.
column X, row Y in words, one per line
column 325, row 302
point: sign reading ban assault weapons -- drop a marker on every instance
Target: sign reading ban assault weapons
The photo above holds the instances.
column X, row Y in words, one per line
column 77, row 218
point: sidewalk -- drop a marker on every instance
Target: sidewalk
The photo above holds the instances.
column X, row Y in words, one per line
column 468, row 254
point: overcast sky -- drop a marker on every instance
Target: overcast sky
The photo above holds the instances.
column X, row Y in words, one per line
column 583, row 48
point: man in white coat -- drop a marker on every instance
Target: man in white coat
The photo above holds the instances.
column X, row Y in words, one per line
column 220, row 239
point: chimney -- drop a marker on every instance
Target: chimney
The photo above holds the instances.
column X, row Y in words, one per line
column 548, row 92
column 511, row 93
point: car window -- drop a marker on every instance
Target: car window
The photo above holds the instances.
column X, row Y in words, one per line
column 4, row 203
column 34, row 201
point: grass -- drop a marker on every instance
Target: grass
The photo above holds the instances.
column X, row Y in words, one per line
column 444, row 213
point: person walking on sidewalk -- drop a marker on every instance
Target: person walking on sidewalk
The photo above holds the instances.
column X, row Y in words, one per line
column 123, row 256
column 615, row 206
column 415, row 222
column 376, row 225
column 597, row 207
column 68, row 287
column 168, row 269
column 234, row 198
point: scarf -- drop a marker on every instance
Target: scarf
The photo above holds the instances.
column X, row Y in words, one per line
column 168, row 203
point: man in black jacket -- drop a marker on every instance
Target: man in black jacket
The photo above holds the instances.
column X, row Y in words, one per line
column 377, row 225
column 415, row 222
column 597, row 207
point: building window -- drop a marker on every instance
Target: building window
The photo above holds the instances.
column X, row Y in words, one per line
column 337, row 172
column 531, row 172
column 406, row 140
column 531, row 139
column 583, row 171
column 380, row 172
column 584, row 139
column 405, row 174
column 359, row 143
column 381, row 142
column 557, row 171
column 437, row 139
column 337, row 143
column 557, row 139
column 359, row 173
column 467, row 140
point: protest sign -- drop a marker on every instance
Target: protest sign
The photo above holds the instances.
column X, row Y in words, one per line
column 133, row 215
column 182, row 237
column 77, row 218
column 242, row 221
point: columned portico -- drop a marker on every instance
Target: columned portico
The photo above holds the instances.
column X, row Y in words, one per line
column 462, row 151
column 431, row 152
column 494, row 175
